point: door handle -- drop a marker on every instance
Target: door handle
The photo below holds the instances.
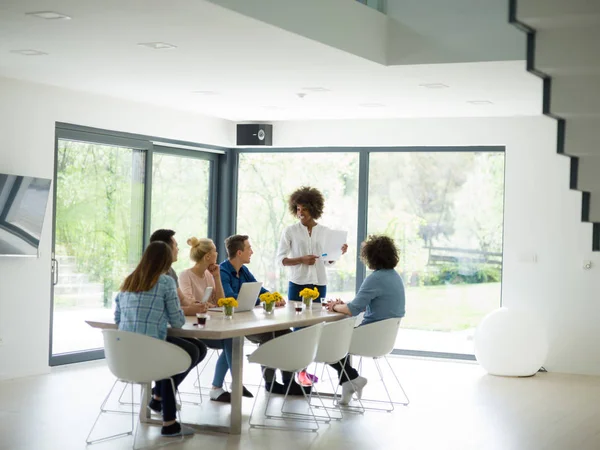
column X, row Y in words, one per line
column 54, row 271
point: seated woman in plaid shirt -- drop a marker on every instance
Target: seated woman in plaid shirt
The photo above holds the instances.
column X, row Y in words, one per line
column 147, row 304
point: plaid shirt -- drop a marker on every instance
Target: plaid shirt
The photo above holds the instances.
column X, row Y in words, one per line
column 149, row 312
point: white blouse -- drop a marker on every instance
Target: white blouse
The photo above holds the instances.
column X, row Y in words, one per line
column 296, row 242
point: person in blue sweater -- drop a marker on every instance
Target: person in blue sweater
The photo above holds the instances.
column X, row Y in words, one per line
column 381, row 296
column 234, row 273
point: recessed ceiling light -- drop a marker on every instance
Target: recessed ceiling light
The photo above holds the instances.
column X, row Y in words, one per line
column 29, row 52
column 48, row 15
column 371, row 105
column 157, row 45
column 316, row 89
column 434, row 85
column 205, row 92
column 480, row 102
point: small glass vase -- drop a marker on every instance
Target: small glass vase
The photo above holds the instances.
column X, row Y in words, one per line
column 307, row 303
column 269, row 307
column 228, row 312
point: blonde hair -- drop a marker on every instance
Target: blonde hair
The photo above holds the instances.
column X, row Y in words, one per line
column 200, row 248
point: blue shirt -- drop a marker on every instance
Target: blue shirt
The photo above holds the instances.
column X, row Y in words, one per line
column 381, row 296
column 151, row 311
column 232, row 281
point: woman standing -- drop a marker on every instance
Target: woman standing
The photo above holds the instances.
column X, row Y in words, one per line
column 147, row 304
column 193, row 282
column 302, row 244
column 300, row 248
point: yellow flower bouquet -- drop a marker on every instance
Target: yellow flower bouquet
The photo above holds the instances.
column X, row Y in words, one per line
column 228, row 304
column 270, row 299
column 308, row 295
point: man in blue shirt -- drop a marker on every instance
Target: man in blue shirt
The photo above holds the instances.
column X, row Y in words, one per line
column 233, row 274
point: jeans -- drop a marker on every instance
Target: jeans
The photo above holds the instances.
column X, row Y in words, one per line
column 294, row 291
column 224, row 361
column 164, row 389
column 348, row 372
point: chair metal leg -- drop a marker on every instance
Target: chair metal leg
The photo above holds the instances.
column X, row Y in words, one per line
column 284, row 416
column 399, row 384
column 114, row 436
column 389, row 400
column 196, row 384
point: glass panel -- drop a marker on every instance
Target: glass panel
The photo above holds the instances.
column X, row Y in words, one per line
column 265, row 182
column 99, row 223
column 180, row 199
column 445, row 211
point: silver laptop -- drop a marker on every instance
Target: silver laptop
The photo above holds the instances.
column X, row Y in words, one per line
column 246, row 298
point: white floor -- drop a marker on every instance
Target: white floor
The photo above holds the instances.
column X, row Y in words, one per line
column 453, row 406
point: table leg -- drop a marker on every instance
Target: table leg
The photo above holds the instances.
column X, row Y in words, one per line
column 236, row 385
column 144, row 401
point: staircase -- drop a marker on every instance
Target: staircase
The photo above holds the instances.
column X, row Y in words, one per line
column 563, row 48
column 74, row 289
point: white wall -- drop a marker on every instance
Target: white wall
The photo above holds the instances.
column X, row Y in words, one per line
column 542, row 217
column 28, row 113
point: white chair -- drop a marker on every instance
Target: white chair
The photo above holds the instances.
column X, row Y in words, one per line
column 292, row 353
column 333, row 346
column 376, row 340
column 132, row 358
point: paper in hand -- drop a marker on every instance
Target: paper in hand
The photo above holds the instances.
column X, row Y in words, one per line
column 332, row 249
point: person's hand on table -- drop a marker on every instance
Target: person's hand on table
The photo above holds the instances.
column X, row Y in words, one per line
column 280, row 303
column 197, row 308
column 344, row 248
column 331, row 304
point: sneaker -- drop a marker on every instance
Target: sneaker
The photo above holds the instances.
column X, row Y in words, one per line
column 312, row 377
column 246, row 393
column 304, row 378
column 175, row 430
column 155, row 406
column 220, row 395
column 347, row 390
column 359, row 383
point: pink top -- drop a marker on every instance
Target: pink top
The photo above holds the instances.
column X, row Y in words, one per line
column 193, row 286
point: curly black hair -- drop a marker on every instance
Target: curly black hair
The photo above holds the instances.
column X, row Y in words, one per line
column 379, row 252
column 310, row 198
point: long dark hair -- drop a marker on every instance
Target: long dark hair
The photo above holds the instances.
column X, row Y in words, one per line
column 156, row 260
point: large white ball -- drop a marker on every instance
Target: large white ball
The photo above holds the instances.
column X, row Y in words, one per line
column 511, row 342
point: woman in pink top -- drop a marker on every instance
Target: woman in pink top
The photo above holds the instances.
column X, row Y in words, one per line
column 193, row 283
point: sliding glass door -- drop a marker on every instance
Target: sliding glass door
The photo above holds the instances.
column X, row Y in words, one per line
column 181, row 196
column 110, row 193
column 98, row 236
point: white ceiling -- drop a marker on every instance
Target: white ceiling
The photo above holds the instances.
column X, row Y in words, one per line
column 256, row 69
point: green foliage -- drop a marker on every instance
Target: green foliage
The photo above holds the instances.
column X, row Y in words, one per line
column 99, row 200
column 459, row 274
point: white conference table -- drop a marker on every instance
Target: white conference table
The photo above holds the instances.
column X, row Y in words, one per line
column 242, row 324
